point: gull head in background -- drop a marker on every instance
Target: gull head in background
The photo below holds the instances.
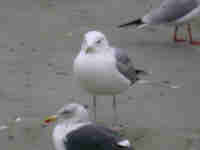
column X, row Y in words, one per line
column 70, row 112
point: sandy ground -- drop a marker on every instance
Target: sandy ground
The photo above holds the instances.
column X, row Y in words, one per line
column 40, row 38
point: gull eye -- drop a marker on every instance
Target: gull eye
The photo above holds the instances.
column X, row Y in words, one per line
column 98, row 41
column 66, row 112
column 86, row 106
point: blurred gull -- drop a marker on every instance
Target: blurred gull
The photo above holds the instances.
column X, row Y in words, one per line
column 75, row 131
column 172, row 13
column 23, row 128
column 104, row 70
column 10, row 123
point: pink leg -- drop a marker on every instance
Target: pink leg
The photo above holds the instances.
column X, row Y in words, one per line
column 190, row 36
column 176, row 39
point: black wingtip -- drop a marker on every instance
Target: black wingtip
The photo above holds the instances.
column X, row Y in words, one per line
column 142, row 72
column 136, row 22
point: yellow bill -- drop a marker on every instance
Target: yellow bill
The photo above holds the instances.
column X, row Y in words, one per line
column 50, row 119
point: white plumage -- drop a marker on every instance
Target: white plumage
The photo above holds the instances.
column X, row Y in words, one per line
column 101, row 69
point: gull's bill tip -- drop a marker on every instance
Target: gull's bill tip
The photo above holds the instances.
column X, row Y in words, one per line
column 50, row 119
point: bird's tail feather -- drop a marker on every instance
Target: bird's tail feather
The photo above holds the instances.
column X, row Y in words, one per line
column 166, row 84
column 136, row 22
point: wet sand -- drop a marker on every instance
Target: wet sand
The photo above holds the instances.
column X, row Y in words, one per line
column 39, row 39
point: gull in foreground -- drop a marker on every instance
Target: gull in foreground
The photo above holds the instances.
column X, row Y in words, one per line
column 171, row 12
column 104, row 70
column 75, row 131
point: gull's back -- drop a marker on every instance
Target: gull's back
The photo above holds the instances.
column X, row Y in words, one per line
column 125, row 65
column 95, row 137
column 170, row 10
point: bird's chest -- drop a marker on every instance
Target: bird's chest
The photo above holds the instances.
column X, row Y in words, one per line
column 98, row 74
column 58, row 137
column 92, row 67
column 60, row 133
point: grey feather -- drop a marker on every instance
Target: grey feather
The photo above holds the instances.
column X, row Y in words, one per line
column 170, row 10
column 125, row 65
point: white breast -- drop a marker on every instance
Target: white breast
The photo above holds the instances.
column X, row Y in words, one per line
column 97, row 73
column 58, row 136
column 60, row 132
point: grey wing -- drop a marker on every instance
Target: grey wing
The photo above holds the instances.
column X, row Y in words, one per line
column 170, row 10
column 125, row 65
column 92, row 137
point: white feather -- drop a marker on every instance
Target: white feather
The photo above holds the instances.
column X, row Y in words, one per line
column 124, row 143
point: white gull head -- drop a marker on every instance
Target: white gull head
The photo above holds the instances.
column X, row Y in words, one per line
column 70, row 117
column 94, row 41
column 73, row 113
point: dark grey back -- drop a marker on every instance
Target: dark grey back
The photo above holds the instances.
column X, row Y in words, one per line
column 93, row 137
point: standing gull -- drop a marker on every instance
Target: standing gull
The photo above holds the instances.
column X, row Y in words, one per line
column 171, row 12
column 104, row 70
column 75, row 131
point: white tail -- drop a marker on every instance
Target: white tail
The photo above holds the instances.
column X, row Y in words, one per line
column 142, row 26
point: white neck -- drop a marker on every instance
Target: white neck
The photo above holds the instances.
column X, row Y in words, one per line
column 63, row 128
column 71, row 121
